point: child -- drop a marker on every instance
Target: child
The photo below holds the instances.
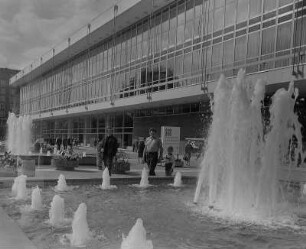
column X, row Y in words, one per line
column 169, row 161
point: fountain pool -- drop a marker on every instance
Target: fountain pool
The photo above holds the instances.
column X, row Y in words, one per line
column 169, row 216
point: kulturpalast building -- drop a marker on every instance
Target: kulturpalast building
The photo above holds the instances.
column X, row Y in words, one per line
column 151, row 63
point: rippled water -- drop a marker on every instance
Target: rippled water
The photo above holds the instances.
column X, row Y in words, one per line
column 169, row 217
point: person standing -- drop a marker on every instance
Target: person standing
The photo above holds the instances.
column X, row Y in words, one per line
column 169, row 161
column 188, row 151
column 140, row 150
column 110, row 148
column 153, row 151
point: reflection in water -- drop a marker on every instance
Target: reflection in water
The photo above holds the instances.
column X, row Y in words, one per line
column 170, row 219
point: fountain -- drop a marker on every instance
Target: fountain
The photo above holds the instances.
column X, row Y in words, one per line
column 19, row 134
column 62, row 185
column 177, row 180
column 21, row 187
column 241, row 167
column 80, row 231
column 304, row 190
column 14, row 186
column 56, row 212
column 136, row 238
column 106, row 180
column 36, row 199
column 144, row 182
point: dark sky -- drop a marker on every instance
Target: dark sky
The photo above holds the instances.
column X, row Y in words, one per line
column 31, row 28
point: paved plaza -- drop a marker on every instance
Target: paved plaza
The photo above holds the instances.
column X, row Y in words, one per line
column 12, row 237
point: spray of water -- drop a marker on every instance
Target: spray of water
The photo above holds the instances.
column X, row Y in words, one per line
column 106, row 180
column 36, row 203
column 240, row 170
column 177, row 179
column 57, row 211
column 144, row 182
column 19, row 134
column 137, row 238
column 80, row 231
column 21, row 187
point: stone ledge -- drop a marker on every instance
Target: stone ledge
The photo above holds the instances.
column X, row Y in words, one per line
column 7, row 183
column 11, row 236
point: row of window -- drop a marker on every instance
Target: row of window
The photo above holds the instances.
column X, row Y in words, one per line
column 233, row 48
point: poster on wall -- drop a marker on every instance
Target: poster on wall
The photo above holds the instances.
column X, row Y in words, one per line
column 170, row 136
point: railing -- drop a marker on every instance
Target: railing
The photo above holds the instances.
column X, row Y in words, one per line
column 95, row 23
column 252, row 65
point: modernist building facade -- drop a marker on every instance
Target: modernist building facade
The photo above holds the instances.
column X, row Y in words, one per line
column 152, row 62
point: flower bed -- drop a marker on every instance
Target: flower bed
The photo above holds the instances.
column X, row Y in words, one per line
column 121, row 164
column 66, row 160
column 62, row 164
column 120, row 167
column 8, row 165
column 8, row 172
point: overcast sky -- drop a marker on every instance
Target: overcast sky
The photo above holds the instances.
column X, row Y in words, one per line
column 30, row 28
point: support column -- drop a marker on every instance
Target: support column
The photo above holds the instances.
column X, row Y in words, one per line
column 56, row 127
column 86, row 129
column 108, row 122
column 70, row 128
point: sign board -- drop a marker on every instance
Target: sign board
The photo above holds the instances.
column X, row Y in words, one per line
column 170, row 136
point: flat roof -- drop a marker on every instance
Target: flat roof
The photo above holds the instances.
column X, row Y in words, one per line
column 100, row 28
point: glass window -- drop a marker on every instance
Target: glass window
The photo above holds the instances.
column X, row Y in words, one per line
column 188, row 30
column 198, row 7
column 181, row 15
column 269, row 5
column 145, row 46
column 240, row 48
column 283, row 40
column 189, row 10
column 300, row 32
column 165, row 21
column 164, row 40
column 228, row 53
column 172, row 37
column 187, row 63
column 230, row 13
column 178, row 65
column 206, row 54
column 253, row 45
column 242, row 11
column 268, row 40
column 255, row 8
column 156, row 72
column 170, row 68
column 219, row 19
column 157, row 43
column 216, row 59
column 172, row 17
column 208, row 19
column 197, row 26
column 133, row 79
column 219, row 3
column 196, row 61
column 163, row 71
column 284, row 2
column 180, row 35
column 105, row 60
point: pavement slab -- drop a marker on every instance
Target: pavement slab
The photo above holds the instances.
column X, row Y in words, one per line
column 11, row 235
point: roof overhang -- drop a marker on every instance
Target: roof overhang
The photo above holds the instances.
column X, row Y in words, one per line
column 101, row 28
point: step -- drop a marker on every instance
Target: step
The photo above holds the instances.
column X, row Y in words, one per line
column 11, row 235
